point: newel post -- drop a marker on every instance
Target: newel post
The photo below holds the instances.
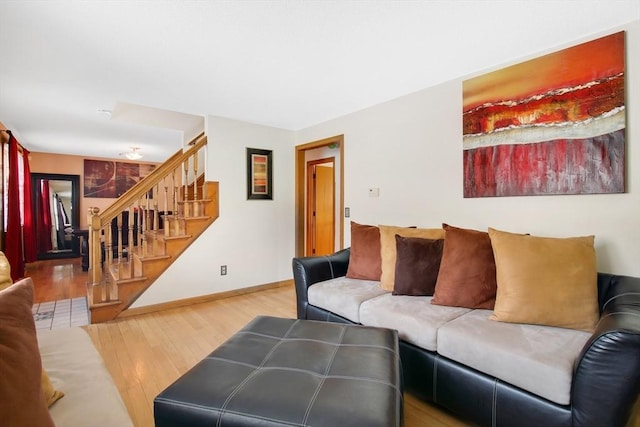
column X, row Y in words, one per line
column 95, row 255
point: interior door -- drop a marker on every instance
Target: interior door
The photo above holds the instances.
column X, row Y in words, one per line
column 321, row 207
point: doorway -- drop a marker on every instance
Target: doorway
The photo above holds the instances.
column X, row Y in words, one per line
column 321, row 210
column 335, row 145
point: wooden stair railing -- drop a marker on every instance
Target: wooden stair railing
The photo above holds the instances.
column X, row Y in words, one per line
column 132, row 241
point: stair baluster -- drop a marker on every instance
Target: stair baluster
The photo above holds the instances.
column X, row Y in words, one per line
column 130, row 241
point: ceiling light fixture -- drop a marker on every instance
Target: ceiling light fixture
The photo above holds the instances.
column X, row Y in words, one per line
column 104, row 111
column 134, row 154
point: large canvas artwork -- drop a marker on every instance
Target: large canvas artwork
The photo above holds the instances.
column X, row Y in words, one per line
column 109, row 179
column 551, row 125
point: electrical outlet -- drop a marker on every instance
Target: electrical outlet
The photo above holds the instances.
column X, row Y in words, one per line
column 223, row 270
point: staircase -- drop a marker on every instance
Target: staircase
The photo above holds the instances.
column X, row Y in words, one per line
column 140, row 235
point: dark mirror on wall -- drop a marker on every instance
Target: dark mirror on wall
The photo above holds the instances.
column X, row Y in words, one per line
column 56, row 213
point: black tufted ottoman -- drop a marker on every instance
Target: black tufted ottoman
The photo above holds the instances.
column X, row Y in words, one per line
column 286, row 372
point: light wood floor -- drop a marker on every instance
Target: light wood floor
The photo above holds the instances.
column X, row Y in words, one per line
column 147, row 353
column 57, row 279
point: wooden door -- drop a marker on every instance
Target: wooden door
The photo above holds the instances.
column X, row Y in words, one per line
column 320, row 207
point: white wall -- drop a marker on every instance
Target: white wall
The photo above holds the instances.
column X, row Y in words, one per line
column 411, row 148
column 254, row 238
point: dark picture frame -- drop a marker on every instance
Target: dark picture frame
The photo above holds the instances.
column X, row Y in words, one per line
column 259, row 174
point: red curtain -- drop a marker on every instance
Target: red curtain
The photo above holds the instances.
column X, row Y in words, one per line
column 29, row 234
column 43, row 217
column 13, row 249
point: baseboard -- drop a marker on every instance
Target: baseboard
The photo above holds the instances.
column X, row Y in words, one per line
column 202, row 298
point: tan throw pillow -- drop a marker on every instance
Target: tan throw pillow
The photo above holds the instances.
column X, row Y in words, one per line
column 364, row 256
column 546, row 281
column 51, row 395
column 388, row 248
column 417, row 265
column 22, row 402
column 467, row 276
column 5, row 272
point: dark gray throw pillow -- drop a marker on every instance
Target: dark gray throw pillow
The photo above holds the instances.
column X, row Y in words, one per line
column 417, row 265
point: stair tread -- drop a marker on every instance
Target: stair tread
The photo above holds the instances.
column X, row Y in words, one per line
column 152, row 257
column 194, row 201
column 182, row 217
column 126, row 280
column 104, row 304
column 181, row 236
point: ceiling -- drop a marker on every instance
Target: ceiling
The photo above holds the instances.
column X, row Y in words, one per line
column 160, row 67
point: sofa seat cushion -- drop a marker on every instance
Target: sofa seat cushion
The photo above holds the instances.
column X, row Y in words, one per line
column 75, row 367
column 415, row 318
column 343, row 296
column 538, row 359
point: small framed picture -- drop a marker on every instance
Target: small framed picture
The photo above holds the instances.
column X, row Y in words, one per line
column 259, row 174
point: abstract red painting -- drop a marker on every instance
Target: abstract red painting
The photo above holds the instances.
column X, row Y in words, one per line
column 551, row 125
column 111, row 179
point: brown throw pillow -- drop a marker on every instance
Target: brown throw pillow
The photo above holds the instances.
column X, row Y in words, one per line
column 417, row 265
column 23, row 402
column 388, row 249
column 546, row 281
column 467, row 276
column 364, row 256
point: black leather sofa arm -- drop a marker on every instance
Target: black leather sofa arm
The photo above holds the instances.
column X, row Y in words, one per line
column 310, row 270
column 606, row 381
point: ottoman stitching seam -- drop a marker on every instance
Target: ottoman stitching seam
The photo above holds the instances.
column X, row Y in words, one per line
column 326, row 372
column 383, row 347
column 306, row 371
column 251, row 375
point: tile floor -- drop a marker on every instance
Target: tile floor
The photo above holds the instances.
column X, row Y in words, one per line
column 61, row 313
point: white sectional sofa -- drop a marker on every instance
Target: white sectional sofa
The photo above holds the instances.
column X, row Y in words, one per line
column 75, row 367
column 494, row 373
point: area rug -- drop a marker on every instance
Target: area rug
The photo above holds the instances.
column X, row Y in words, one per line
column 62, row 313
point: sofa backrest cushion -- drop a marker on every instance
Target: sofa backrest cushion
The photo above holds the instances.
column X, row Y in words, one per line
column 467, row 276
column 546, row 281
column 364, row 259
column 388, row 250
column 417, row 265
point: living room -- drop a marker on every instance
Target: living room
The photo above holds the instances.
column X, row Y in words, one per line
column 421, row 132
column 410, row 148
